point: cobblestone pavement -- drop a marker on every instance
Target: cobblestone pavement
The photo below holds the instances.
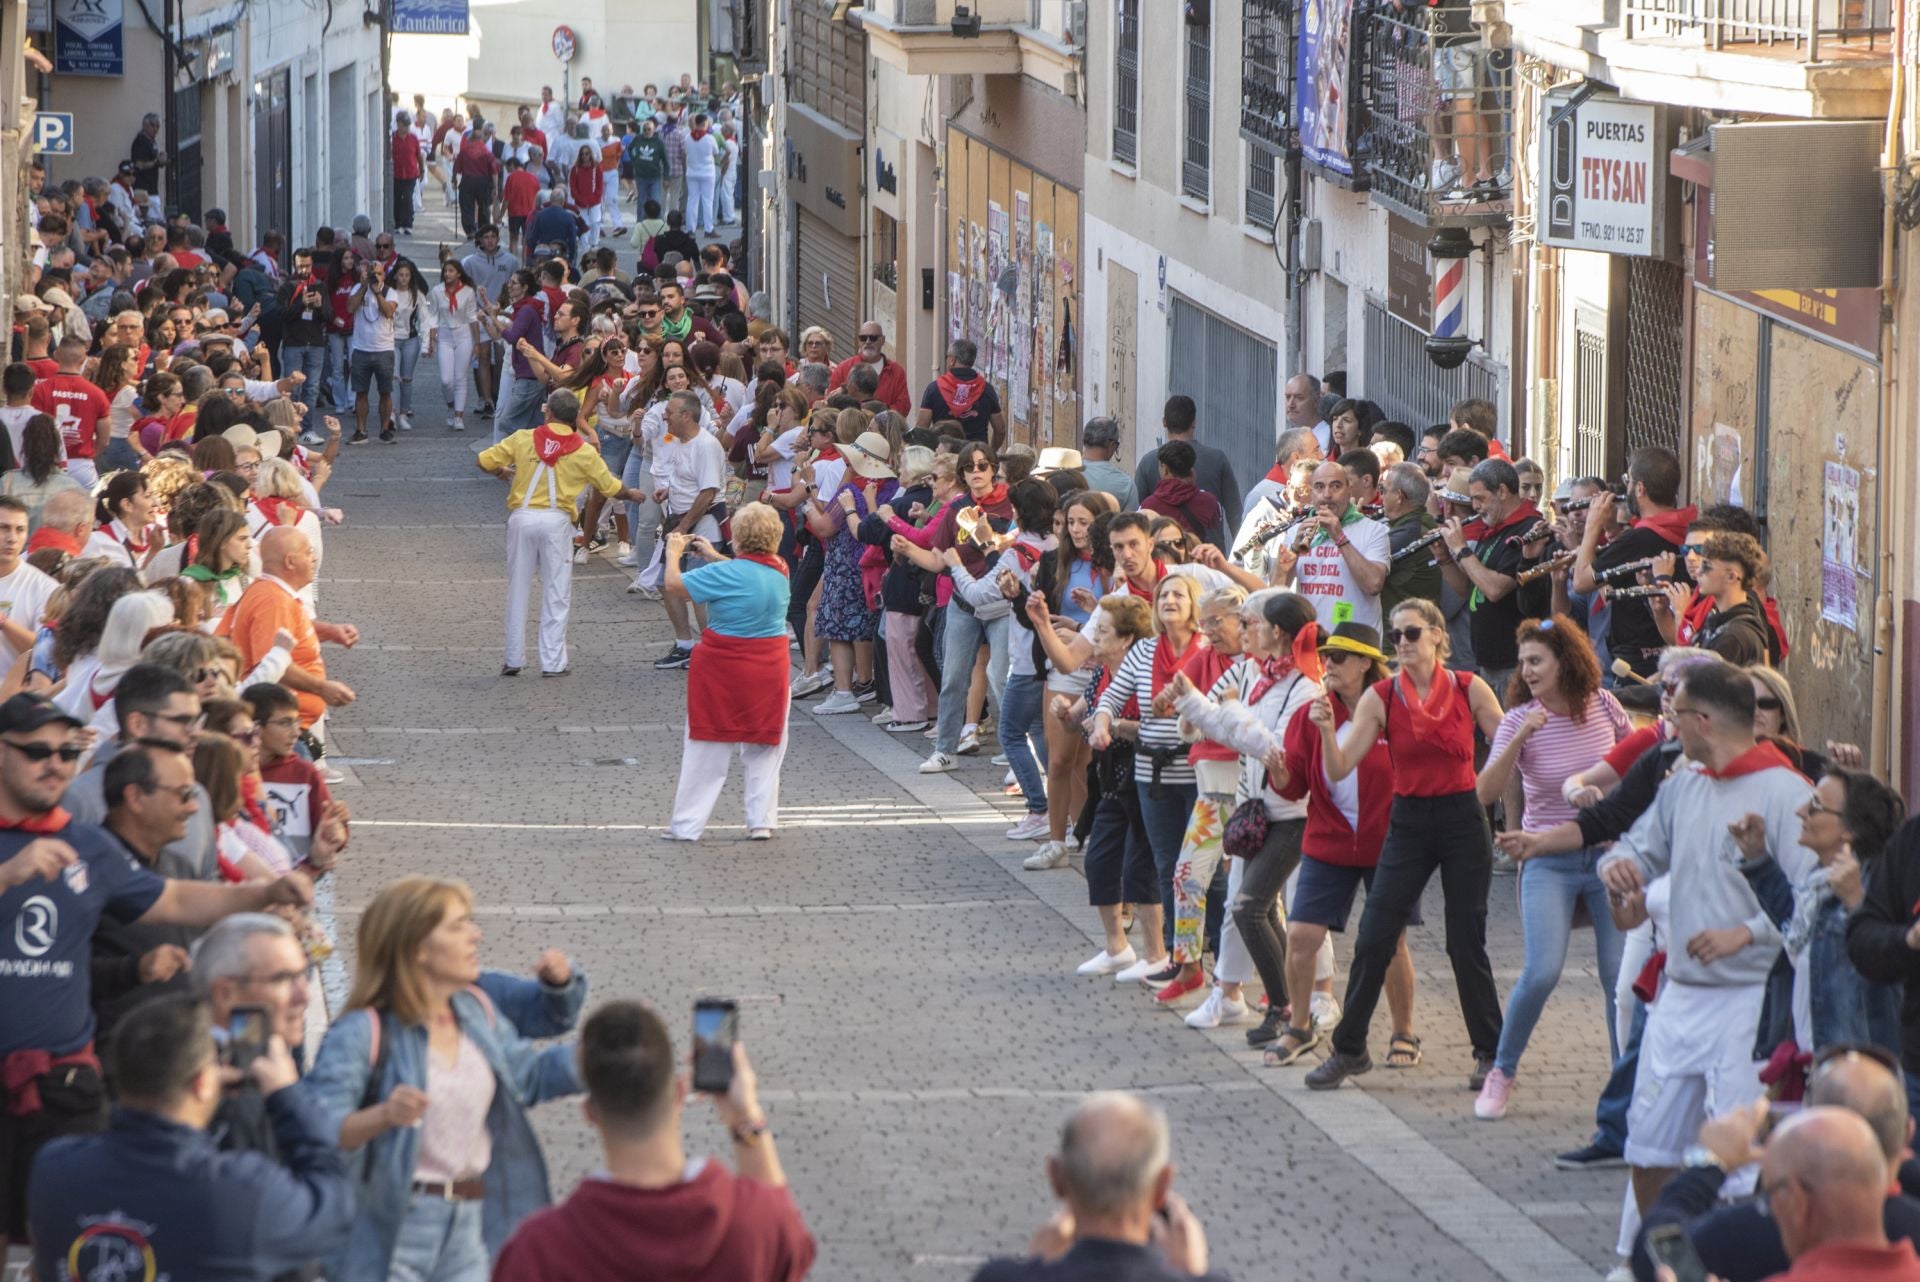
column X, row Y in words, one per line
column 907, row 991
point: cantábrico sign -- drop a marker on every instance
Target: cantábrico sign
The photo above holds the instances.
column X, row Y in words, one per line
column 1603, row 176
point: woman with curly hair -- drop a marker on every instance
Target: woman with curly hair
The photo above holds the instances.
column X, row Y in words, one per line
column 1560, row 723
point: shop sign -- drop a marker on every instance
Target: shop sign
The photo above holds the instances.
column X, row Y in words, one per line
column 1409, row 283
column 1603, row 183
column 824, row 168
column 428, row 17
column 88, row 37
column 1850, row 316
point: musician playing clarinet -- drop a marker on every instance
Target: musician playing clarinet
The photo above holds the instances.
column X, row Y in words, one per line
column 1338, row 557
column 1410, row 573
column 1485, row 561
column 1659, row 526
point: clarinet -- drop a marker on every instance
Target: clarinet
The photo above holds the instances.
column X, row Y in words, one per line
column 1628, row 570
column 1540, row 531
column 1624, row 594
column 1268, row 533
column 1546, row 567
column 1426, row 540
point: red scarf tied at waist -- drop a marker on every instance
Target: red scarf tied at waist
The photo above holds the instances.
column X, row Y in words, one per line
column 737, row 686
column 20, row 1075
column 552, row 446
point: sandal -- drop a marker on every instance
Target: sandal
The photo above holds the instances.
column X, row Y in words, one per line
column 1279, row 1055
column 1403, row 1051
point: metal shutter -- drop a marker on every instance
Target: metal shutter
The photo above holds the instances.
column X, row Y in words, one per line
column 1233, row 379
column 827, row 291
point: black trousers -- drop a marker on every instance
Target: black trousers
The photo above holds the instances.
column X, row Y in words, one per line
column 403, row 203
column 1256, row 909
column 476, row 202
column 812, row 563
column 1425, row 834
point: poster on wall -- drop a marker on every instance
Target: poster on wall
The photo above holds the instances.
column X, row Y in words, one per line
column 996, row 301
column 1839, row 527
column 1020, row 375
column 1045, row 384
column 89, row 37
column 1326, row 44
column 956, row 308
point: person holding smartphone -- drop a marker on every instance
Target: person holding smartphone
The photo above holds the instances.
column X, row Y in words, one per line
column 372, row 306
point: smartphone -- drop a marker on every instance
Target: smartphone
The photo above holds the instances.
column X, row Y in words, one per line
column 716, row 1024
column 1669, row 1244
column 247, row 1033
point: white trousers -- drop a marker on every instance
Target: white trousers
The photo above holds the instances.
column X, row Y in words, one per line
column 542, row 539
column 610, row 203
column 591, row 239
column 453, row 348
column 703, row 773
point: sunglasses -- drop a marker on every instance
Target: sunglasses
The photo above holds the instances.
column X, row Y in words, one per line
column 248, row 736
column 41, row 751
column 1396, row 635
column 1767, row 703
column 978, row 465
column 872, row 338
column 184, row 792
column 1692, row 549
column 649, row 313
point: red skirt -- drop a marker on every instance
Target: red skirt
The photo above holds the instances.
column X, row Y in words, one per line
column 737, row 689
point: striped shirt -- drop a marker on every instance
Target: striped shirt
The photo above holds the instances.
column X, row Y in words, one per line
column 1134, row 680
column 1557, row 751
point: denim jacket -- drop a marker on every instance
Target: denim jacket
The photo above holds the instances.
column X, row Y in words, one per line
column 493, row 1014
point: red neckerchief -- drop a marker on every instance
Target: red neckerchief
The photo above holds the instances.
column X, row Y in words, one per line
column 48, row 537
column 1027, row 554
column 136, row 550
column 93, row 692
column 960, row 393
column 1166, row 662
column 993, row 497
column 1761, row 756
column 1526, row 512
column 771, row 562
column 1278, row 475
column 277, row 510
column 830, row 452
column 250, row 802
column 51, row 821
column 552, row 446
column 1430, row 718
column 1671, row 526
column 453, row 295
column 1146, row 593
column 698, row 132
column 1692, row 621
column 1272, row 672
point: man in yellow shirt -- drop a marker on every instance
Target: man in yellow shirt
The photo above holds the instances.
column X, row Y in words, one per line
column 546, row 469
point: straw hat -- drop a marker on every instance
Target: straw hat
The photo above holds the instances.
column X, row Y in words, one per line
column 1058, row 458
column 1455, row 490
column 867, row 456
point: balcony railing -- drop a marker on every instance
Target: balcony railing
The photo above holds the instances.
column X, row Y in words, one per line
column 1266, row 72
column 1811, row 28
column 1438, row 141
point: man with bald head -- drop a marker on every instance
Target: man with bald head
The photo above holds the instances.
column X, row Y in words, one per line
column 272, row 603
column 1338, row 559
column 1122, row 1221
column 1825, row 1178
column 1738, row 1241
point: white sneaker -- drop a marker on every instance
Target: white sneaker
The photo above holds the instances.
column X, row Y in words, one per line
column 627, row 559
column 882, row 717
column 1000, row 759
column 1106, row 963
column 1051, row 855
column 838, row 701
column 1031, row 828
column 1218, row 1009
column 459, row 423
column 625, row 549
column 1138, row 972
column 1326, row 1012
column 650, row 594
column 939, row 763
column 969, row 741
column 812, row 683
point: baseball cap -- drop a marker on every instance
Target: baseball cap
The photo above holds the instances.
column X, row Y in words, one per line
column 28, row 712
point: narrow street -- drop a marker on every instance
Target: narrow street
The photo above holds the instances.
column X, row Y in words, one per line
column 907, row 992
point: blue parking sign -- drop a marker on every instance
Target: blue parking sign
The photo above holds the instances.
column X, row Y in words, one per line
column 53, row 133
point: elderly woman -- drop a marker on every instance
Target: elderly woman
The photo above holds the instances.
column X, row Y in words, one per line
column 279, row 499
column 737, row 680
column 430, row 1072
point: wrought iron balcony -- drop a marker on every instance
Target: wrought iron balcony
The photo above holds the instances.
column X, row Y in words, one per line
column 1266, row 72
column 1809, row 30
column 1438, row 134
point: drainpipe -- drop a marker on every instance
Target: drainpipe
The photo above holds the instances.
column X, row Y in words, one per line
column 1888, row 659
column 1296, row 279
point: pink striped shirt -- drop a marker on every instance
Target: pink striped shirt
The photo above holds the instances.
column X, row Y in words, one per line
column 1557, row 751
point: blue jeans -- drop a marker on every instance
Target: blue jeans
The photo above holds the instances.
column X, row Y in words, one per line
column 1847, row 1007
column 1610, row 1114
column 1166, row 819
column 337, row 346
column 1023, row 737
column 965, row 633
column 519, row 408
column 645, row 189
column 119, row 456
column 1550, row 886
column 311, row 361
column 440, row 1241
column 636, row 476
column 406, row 355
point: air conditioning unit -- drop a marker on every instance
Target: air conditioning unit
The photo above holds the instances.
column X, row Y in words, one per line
column 1077, row 23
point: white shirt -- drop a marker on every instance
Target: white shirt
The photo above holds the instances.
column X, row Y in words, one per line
column 1324, row 578
column 23, row 599
column 702, row 153
column 563, row 149
column 15, row 419
column 785, row 446
column 550, row 118
column 687, row 467
column 454, row 314
column 372, row 328
column 110, row 542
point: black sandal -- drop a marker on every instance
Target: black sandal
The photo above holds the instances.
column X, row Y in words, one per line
column 1403, row 1051
column 1279, row 1056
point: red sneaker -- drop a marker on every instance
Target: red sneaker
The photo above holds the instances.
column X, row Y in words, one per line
column 1181, row 987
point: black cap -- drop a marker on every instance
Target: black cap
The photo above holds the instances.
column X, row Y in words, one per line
column 28, row 712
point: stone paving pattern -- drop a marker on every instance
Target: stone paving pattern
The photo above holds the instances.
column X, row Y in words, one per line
column 907, row 990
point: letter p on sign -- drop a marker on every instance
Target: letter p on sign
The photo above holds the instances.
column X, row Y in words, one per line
column 53, row 133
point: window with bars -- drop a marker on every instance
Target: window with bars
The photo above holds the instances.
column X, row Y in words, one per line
column 1263, row 187
column 1126, row 83
column 1196, row 168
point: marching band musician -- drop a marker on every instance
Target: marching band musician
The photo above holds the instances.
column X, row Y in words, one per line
column 1486, row 565
column 1275, row 500
column 1659, row 526
column 1403, row 498
column 1339, row 561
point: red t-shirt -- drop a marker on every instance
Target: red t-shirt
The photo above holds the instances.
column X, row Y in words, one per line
column 42, row 366
column 537, row 137
column 1854, row 1262
column 716, row 1225
column 406, row 154
column 522, row 193
column 295, row 796
column 77, row 407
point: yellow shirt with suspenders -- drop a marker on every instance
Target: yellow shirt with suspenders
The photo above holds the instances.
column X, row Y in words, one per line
column 538, row 485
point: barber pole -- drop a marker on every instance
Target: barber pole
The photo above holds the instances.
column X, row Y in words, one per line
column 1449, row 297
